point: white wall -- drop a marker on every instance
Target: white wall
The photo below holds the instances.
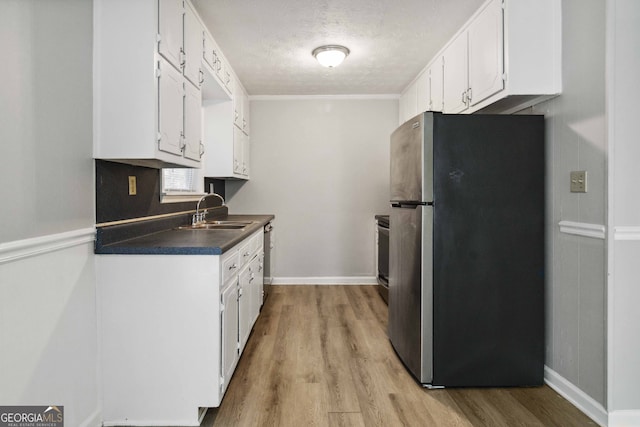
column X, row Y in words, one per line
column 321, row 165
column 576, row 264
column 48, row 328
column 623, row 44
column 45, row 117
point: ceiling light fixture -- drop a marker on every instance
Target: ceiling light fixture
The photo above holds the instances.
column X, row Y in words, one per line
column 330, row 55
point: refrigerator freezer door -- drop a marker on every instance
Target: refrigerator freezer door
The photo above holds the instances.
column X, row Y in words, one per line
column 412, row 160
column 411, row 289
column 489, row 250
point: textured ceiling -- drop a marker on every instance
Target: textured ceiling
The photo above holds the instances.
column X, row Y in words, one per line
column 269, row 42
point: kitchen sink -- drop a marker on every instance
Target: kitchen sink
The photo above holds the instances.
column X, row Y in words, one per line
column 217, row 225
column 230, row 223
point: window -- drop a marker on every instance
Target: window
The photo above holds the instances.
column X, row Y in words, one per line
column 180, row 185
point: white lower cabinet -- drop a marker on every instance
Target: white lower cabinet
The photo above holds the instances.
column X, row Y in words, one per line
column 244, row 307
column 172, row 328
column 229, row 330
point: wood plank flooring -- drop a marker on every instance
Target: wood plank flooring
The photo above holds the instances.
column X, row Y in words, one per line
column 320, row 356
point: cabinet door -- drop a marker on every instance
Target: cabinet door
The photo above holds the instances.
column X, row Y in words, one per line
column 192, row 122
column 219, row 68
column 209, row 50
column 238, row 150
column 170, row 16
column 237, row 105
column 423, row 92
column 455, row 75
column 246, row 155
column 246, row 109
column 170, row 108
column 228, row 78
column 402, row 115
column 244, row 307
column 486, row 53
column 260, row 279
column 229, row 325
column 411, row 109
column 436, row 85
column 256, row 287
column 192, row 46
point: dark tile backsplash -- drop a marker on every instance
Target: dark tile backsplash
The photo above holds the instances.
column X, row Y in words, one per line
column 114, row 203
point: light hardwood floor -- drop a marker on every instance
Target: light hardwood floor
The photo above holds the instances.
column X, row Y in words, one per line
column 320, row 356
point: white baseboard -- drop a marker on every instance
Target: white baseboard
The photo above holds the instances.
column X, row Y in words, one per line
column 579, row 398
column 344, row 280
column 624, row 418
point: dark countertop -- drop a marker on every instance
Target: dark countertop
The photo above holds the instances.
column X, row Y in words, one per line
column 159, row 237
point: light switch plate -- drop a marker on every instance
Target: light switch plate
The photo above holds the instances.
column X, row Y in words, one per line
column 578, row 181
column 132, row 186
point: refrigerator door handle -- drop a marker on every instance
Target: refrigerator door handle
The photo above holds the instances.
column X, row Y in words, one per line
column 410, row 204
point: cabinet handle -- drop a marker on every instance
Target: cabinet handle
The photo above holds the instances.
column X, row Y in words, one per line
column 201, row 77
column 469, row 96
column 232, row 267
column 464, row 97
column 201, row 149
column 183, row 58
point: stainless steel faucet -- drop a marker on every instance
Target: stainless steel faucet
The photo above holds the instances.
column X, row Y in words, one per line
column 199, row 217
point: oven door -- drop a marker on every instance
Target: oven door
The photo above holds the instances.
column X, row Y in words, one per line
column 383, row 261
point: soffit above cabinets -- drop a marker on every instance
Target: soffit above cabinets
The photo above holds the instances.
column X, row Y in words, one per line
column 269, row 43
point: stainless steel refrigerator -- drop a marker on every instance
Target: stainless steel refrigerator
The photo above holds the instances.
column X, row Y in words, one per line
column 466, row 283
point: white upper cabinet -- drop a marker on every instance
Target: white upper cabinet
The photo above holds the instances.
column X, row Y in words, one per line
column 209, row 51
column 423, row 90
column 170, row 18
column 226, row 145
column 193, row 38
column 237, row 105
column 240, row 107
column 424, row 94
column 213, row 58
column 505, row 58
column 193, row 146
column 456, row 75
column 473, row 65
column 436, row 84
column 143, row 107
column 155, row 64
column 486, row 54
column 180, row 37
column 409, row 103
column 170, row 108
